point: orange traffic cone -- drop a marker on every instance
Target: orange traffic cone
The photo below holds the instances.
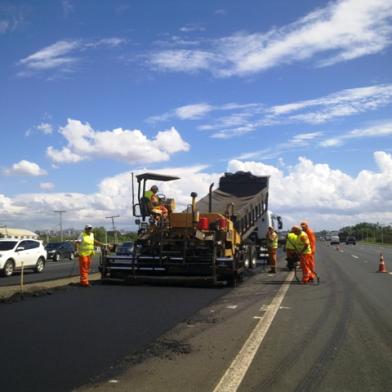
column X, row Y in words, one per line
column 381, row 266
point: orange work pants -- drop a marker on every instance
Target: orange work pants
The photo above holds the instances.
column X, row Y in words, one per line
column 84, row 267
column 272, row 259
column 306, row 266
column 313, row 265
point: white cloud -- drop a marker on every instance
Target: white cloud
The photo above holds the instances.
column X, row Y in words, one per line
column 182, row 60
column 244, row 118
column 4, row 26
column 11, row 17
column 380, row 130
column 46, row 186
column 24, row 168
column 190, row 28
column 326, row 197
column 132, row 146
column 63, row 55
column 45, row 128
column 68, row 7
column 52, row 56
column 343, row 30
column 193, row 111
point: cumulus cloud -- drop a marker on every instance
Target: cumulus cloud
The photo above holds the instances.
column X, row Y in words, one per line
column 343, row 30
column 328, row 198
column 24, row 168
column 83, row 142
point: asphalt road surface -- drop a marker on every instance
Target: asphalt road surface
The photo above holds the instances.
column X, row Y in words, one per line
column 53, row 270
column 336, row 336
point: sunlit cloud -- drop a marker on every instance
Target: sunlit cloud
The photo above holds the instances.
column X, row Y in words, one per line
column 323, row 36
column 132, row 146
column 24, row 168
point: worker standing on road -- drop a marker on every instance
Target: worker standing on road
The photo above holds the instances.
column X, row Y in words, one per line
column 85, row 248
column 272, row 247
column 312, row 240
column 157, row 207
column 292, row 256
column 305, row 255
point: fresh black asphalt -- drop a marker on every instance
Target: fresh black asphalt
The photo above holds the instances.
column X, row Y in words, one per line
column 57, row 342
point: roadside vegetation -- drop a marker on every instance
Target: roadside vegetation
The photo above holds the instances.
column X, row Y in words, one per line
column 374, row 233
column 100, row 233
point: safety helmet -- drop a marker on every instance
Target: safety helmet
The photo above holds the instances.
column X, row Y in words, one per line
column 154, row 188
column 88, row 227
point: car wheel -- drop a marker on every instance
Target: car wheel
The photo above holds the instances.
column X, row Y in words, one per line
column 39, row 267
column 71, row 256
column 9, row 267
column 56, row 257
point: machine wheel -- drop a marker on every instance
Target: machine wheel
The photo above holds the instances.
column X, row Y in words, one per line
column 56, row 257
column 39, row 267
column 9, row 267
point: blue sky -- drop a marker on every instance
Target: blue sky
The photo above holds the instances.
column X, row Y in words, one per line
column 93, row 90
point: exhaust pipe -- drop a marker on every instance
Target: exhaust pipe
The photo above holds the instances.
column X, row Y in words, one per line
column 210, row 198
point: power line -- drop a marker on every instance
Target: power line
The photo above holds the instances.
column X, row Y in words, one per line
column 60, row 212
column 114, row 228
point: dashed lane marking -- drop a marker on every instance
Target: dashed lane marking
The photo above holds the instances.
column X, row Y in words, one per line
column 231, row 306
column 355, row 257
column 234, row 375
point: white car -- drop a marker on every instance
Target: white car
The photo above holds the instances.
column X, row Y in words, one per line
column 13, row 252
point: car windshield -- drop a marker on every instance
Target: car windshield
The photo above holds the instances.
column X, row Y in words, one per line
column 7, row 245
column 53, row 245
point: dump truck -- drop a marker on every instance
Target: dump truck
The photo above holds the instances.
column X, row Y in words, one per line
column 214, row 240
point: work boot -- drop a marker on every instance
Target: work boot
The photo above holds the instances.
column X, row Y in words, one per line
column 272, row 270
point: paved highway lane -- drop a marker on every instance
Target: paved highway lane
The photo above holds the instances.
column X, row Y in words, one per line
column 53, row 270
column 57, row 342
column 336, row 336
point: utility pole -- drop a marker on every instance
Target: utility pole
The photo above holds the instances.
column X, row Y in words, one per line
column 114, row 228
column 60, row 212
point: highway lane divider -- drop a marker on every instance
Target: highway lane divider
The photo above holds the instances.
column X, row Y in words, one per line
column 234, row 375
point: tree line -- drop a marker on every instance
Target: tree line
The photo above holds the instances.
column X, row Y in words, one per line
column 367, row 232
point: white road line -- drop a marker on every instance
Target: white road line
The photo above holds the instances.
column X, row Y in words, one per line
column 234, row 375
column 231, row 306
column 355, row 257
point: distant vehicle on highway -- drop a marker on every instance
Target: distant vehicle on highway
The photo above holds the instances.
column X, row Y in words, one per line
column 60, row 250
column 13, row 252
column 125, row 249
column 351, row 240
column 335, row 240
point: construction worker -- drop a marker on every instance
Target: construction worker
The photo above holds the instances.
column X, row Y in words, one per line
column 85, row 248
column 272, row 247
column 157, row 207
column 292, row 256
column 312, row 239
column 305, row 254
